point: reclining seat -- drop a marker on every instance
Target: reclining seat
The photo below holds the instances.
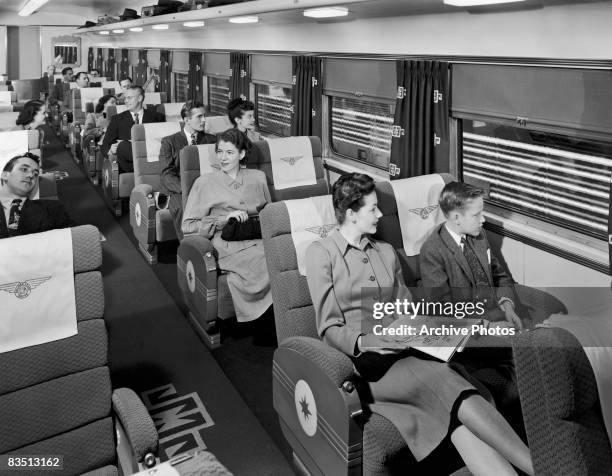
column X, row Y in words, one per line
column 83, row 102
column 150, row 220
column 204, row 289
column 56, row 397
column 171, row 110
column 7, row 120
column 92, row 157
column 7, row 100
column 34, row 142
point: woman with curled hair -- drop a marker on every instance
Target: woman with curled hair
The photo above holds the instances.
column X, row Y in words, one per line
column 235, row 192
column 32, row 116
column 430, row 402
column 241, row 113
column 96, row 122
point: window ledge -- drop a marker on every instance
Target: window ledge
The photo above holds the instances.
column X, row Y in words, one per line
column 345, row 165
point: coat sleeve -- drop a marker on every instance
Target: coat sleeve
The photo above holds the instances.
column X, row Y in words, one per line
column 112, row 134
column 331, row 323
column 58, row 216
column 434, row 277
column 168, row 161
column 196, row 217
column 503, row 283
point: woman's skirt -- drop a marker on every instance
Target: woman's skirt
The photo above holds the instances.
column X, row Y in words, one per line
column 419, row 395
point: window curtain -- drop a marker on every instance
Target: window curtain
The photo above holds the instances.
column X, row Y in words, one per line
column 610, row 230
column 165, row 72
column 140, row 69
column 239, row 76
column 110, row 65
column 306, row 96
column 194, row 79
column 420, row 136
column 124, row 65
column 90, row 59
column 99, row 61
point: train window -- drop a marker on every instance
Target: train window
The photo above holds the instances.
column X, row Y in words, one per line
column 361, row 130
column 273, row 107
column 181, row 87
column 218, row 93
column 556, row 178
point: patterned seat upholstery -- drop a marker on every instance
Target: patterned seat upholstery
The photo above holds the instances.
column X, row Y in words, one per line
column 55, row 398
column 560, row 404
column 205, row 292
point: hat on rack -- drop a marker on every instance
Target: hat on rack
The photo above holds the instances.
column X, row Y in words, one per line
column 129, row 14
column 88, row 24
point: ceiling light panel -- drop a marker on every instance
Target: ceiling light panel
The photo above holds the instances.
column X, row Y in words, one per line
column 329, row 12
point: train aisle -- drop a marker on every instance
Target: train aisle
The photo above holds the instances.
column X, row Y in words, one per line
column 154, row 350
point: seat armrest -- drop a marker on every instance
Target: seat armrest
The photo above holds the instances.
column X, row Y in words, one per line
column 110, row 176
column 136, row 422
column 142, row 213
column 335, row 364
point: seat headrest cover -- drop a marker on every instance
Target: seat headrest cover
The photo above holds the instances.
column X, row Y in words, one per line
column 418, row 209
column 37, row 295
column 208, row 158
column 172, row 110
column 5, row 97
column 312, row 219
column 90, row 95
column 152, row 98
column 154, row 132
column 292, row 162
column 217, row 124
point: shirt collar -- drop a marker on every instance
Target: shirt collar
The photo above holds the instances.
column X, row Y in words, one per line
column 455, row 236
column 344, row 245
column 188, row 135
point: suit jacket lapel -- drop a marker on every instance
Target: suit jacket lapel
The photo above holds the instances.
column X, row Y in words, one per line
column 480, row 247
column 181, row 140
column 457, row 252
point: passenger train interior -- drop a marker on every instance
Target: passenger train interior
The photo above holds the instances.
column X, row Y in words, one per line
column 223, row 220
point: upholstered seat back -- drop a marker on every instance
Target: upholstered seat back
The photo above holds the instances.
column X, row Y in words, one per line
column 34, row 142
column 171, row 110
column 152, row 99
column 55, row 398
column 190, row 166
column 83, row 103
column 146, row 142
column 264, row 163
column 7, row 120
column 217, row 124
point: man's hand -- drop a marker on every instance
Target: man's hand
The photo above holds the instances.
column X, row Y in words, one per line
column 511, row 316
column 239, row 215
column 113, row 147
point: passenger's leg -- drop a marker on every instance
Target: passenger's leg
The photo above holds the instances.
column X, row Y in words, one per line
column 124, row 157
column 479, row 457
column 486, row 423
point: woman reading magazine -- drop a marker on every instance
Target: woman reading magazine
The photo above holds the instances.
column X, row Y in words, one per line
column 425, row 399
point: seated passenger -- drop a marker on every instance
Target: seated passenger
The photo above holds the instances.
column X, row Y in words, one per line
column 82, row 79
column 425, row 399
column 456, row 261
column 32, row 116
column 125, row 84
column 118, row 135
column 94, row 73
column 20, row 215
column 241, row 113
column 57, row 93
column 233, row 192
column 96, row 122
column 193, row 114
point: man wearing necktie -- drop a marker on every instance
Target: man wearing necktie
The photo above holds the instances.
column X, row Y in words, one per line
column 193, row 114
column 117, row 139
column 22, row 215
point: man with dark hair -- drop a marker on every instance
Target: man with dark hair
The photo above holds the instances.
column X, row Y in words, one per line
column 456, row 261
column 194, row 117
column 117, row 139
column 82, row 79
column 21, row 215
column 125, row 84
column 57, row 93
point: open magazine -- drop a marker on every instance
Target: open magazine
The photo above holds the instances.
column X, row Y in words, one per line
column 439, row 337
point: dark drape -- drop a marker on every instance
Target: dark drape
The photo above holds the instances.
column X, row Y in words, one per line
column 194, row 79
column 610, row 229
column 110, row 65
column 420, row 136
column 165, row 71
column 240, row 77
column 90, row 59
column 306, row 96
column 100, row 62
column 140, row 71
column 124, row 65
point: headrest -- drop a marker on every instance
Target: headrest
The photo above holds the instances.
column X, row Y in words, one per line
column 292, row 162
column 92, row 95
column 4, row 107
column 152, row 134
column 312, row 219
column 152, row 98
column 5, row 97
column 7, row 119
column 208, row 158
column 418, row 209
column 114, row 85
column 37, row 289
column 217, row 124
column 172, row 111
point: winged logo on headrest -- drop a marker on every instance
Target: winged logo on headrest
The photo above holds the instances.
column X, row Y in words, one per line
column 322, row 231
column 424, row 212
column 22, row 289
column 291, row 160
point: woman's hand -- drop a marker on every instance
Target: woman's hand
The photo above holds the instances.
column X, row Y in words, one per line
column 239, row 215
column 374, row 343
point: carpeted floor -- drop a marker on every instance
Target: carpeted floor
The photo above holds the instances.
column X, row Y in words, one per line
column 154, row 350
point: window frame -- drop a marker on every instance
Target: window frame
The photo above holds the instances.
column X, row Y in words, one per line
column 206, row 84
column 257, row 83
column 173, row 84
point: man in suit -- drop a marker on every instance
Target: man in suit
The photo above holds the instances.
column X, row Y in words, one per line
column 82, row 79
column 193, row 114
column 20, row 215
column 118, row 135
column 57, row 93
column 456, row 260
